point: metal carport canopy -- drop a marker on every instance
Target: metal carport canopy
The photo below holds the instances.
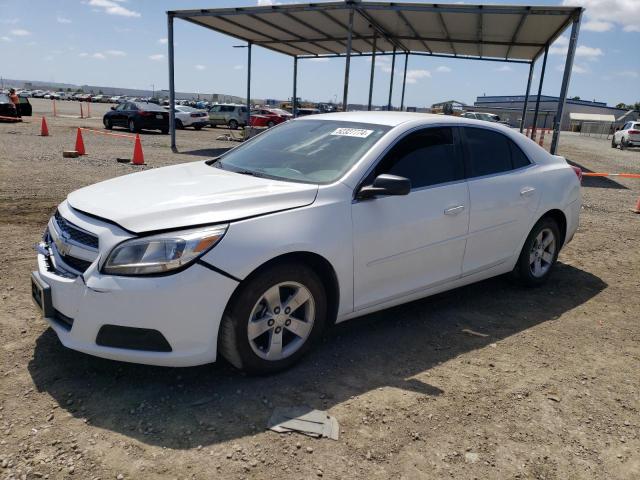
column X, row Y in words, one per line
column 352, row 28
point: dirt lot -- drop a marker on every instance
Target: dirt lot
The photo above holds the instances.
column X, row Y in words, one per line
column 552, row 391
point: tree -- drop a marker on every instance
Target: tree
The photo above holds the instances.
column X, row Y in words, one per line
column 621, row 105
column 575, row 98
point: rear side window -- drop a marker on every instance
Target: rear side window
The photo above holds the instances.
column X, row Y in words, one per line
column 491, row 152
column 427, row 157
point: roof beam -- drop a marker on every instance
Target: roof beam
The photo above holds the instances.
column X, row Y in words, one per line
column 556, row 34
column 446, row 33
column 403, row 37
column 514, row 37
column 450, row 8
column 413, row 30
column 311, row 27
column 288, row 32
column 393, row 40
column 346, row 27
column 424, row 54
column 256, row 32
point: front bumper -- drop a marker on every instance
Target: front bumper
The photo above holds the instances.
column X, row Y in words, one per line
column 186, row 308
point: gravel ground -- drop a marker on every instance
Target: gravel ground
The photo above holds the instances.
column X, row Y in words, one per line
column 550, row 393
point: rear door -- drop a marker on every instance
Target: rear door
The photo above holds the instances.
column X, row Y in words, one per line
column 504, row 191
column 404, row 244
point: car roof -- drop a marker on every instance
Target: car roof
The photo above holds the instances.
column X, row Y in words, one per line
column 391, row 119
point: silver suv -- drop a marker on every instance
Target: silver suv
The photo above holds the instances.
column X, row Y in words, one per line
column 233, row 116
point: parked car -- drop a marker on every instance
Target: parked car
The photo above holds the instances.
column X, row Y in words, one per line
column 38, row 94
column 98, row 99
column 303, row 112
column 319, row 220
column 137, row 116
column 233, row 116
column 7, row 108
column 190, row 117
column 25, row 94
column 487, row 117
column 627, row 136
column 268, row 117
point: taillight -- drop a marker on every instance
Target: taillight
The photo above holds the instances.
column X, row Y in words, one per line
column 145, row 114
column 578, row 172
column 634, row 132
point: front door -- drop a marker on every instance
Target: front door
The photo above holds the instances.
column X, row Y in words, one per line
column 405, row 244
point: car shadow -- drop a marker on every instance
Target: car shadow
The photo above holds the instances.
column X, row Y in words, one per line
column 597, row 182
column 184, row 408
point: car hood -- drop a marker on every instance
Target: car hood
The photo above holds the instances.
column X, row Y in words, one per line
column 187, row 195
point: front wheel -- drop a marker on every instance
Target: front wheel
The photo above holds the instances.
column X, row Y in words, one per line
column 108, row 124
column 273, row 319
column 539, row 253
column 233, row 124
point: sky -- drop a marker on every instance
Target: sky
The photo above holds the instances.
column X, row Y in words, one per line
column 122, row 43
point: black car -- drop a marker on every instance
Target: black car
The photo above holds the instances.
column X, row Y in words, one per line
column 137, row 116
column 7, row 108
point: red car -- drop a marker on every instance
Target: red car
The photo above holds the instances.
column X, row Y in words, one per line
column 268, row 117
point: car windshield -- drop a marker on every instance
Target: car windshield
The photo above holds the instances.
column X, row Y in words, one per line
column 635, row 126
column 311, row 151
column 149, row 107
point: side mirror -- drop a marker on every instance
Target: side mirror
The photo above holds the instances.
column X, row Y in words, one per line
column 113, row 107
column 385, row 185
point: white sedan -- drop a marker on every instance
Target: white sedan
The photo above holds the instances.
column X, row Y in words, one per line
column 316, row 221
column 190, row 117
column 627, row 136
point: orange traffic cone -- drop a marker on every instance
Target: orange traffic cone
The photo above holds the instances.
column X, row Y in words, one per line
column 637, row 209
column 138, row 156
column 44, row 130
column 80, row 143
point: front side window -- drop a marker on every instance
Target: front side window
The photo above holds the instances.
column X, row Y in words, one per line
column 489, row 152
column 311, row 151
column 426, row 157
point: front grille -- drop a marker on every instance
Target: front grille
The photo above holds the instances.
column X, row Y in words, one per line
column 75, row 233
column 75, row 263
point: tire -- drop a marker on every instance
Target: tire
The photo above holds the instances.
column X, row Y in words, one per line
column 199, row 127
column 233, row 124
column 270, row 124
column 108, row 124
column 526, row 271
column 165, row 131
column 132, row 126
column 613, row 142
column 623, row 144
column 248, row 303
column 179, row 125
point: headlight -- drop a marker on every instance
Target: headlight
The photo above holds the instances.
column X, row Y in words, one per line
column 162, row 253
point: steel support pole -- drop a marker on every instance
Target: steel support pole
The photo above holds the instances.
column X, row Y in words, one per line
column 526, row 98
column 373, row 67
column 248, row 84
column 535, row 113
column 294, row 100
column 393, row 67
column 172, row 88
column 347, row 63
column 404, row 80
column 571, row 52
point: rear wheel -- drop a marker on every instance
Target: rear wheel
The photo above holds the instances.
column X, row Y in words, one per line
column 539, row 253
column 233, row 124
column 273, row 319
column 623, row 143
column 179, row 124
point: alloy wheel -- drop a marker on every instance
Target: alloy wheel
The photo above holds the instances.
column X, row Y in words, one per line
column 542, row 253
column 281, row 321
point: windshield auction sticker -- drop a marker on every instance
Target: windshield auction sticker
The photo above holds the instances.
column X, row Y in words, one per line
column 352, row 132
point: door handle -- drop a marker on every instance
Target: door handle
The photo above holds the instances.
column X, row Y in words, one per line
column 454, row 210
column 527, row 191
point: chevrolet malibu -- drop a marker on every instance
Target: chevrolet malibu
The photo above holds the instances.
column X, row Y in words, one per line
column 316, row 221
